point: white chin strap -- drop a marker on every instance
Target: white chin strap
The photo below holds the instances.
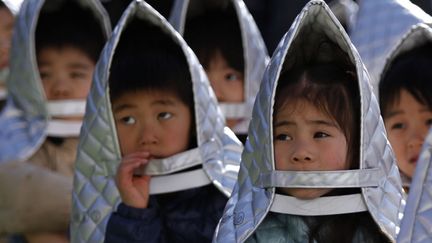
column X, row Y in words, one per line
column 63, row 109
column 353, row 203
column 164, row 176
column 235, row 110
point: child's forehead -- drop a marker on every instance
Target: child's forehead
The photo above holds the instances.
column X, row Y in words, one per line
column 149, row 93
column 67, row 56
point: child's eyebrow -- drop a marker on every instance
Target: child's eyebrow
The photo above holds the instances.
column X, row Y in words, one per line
column 393, row 113
column 313, row 122
column 322, row 122
column 284, row 123
column 123, row 107
column 164, row 102
column 79, row 66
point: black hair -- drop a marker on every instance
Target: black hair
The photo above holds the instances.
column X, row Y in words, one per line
column 70, row 26
column 216, row 30
column 146, row 58
column 412, row 72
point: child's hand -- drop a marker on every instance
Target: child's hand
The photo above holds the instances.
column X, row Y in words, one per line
column 134, row 190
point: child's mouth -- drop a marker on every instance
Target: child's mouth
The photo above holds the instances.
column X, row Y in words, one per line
column 413, row 160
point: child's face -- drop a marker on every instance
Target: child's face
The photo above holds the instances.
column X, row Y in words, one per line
column 226, row 82
column 6, row 27
column 407, row 125
column 306, row 139
column 66, row 73
column 157, row 122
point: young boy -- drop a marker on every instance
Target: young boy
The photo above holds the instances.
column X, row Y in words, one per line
column 6, row 27
column 159, row 134
column 231, row 50
column 37, row 164
column 405, row 94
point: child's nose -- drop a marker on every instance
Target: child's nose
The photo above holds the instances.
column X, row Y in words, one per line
column 60, row 89
column 417, row 137
column 148, row 134
column 217, row 89
column 302, row 152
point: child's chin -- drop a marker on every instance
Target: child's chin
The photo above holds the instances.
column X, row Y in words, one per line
column 304, row 194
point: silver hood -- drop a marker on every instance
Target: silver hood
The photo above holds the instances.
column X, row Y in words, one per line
column 379, row 27
column 95, row 195
column 25, row 117
column 254, row 195
column 254, row 52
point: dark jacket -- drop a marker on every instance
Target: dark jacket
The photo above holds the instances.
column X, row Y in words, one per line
column 185, row 216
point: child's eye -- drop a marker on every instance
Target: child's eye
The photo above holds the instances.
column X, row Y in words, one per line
column 283, row 137
column 321, row 135
column 44, row 75
column 398, row 125
column 231, row 77
column 77, row 75
column 164, row 115
column 128, row 120
column 429, row 122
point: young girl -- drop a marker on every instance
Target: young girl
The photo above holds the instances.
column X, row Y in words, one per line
column 154, row 120
column 320, row 140
column 406, row 97
column 229, row 45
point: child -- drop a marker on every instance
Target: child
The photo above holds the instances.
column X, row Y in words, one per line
column 165, row 142
column 417, row 218
column 315, row 151
column 53, row 57
column 232, row 52
column 6, row 27
column 405, row 95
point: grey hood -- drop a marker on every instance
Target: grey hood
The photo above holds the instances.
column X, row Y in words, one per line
column 254, row 52
column 25, row 117
column 95, row 195
column 379, row 26
column 378, row 176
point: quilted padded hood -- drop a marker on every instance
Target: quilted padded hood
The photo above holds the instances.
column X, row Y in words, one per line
column 379, row 26
column 24, row 119
column 218, row 152
column 254, row 51
column 378, row 176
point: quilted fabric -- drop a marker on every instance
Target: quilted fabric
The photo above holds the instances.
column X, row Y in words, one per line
column 254, row 51
column 249, row 204
column 25, row 117
column 417, row 220
column 379, row 27
column 95, row 194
